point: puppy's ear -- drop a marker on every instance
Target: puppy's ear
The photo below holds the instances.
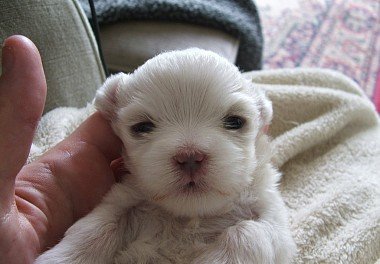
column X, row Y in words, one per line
column 265, row 108
column 106, row 97
column 263, row 103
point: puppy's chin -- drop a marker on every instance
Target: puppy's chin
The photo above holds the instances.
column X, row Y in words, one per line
column 195, row 203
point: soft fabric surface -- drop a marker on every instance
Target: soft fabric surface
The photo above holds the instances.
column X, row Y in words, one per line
column 343, row 35
column 237, row 17
column 326, row 141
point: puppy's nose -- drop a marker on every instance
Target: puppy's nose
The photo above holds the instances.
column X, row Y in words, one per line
column 190, row 161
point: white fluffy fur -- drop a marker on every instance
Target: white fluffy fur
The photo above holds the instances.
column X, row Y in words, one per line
column 237, row 216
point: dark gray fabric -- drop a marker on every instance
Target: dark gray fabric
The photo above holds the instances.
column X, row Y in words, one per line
column 236, row 17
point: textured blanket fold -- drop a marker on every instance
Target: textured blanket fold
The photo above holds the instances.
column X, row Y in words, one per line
column 236, row 17
column 326, row 141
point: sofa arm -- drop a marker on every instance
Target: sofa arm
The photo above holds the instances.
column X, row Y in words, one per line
column 69, row 52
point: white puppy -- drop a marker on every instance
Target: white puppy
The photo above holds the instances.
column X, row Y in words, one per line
column 201, row 188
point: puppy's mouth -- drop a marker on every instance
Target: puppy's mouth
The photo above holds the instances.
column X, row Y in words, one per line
column 189, row 189
column 191, row 185
column 194, row 187
column 181, row 188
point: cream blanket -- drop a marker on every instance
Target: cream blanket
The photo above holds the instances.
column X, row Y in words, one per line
column 326, row 141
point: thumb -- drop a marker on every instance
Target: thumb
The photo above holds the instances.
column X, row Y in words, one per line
column 22, row 97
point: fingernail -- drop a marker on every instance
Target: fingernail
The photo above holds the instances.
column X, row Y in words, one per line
column 7, row 58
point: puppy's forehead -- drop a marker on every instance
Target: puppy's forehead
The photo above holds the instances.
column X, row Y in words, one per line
column 194, row 81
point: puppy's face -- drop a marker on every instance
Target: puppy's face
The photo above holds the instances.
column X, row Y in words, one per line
column 189, row 122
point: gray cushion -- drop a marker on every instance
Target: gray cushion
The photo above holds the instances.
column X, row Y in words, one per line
column 239, row 18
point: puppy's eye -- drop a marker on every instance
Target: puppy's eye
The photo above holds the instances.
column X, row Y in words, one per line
column 142, row 128
column 233, row 122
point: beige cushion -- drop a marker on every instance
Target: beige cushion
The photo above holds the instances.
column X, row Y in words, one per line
column 127, row 45
column 69, row 53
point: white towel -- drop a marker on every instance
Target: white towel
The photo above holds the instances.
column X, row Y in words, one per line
column 326, row 141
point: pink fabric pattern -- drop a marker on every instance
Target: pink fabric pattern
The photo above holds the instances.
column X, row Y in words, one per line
column 343, row 35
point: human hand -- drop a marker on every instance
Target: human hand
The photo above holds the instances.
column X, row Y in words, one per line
column 39, row 201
